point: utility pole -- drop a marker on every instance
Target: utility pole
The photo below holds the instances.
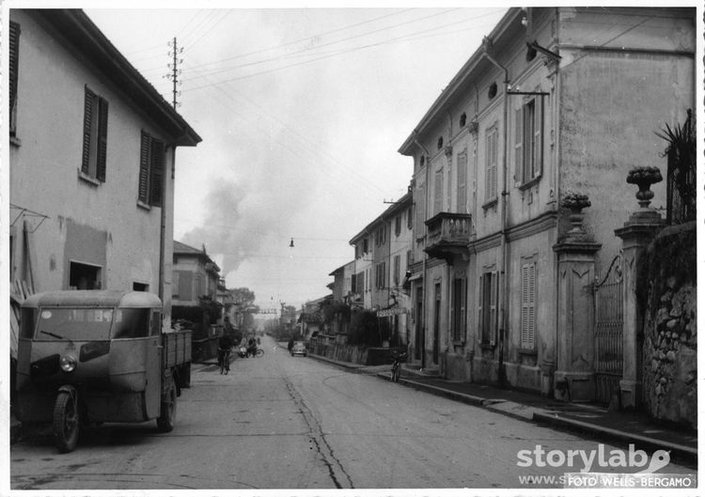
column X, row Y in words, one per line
column 175, row 72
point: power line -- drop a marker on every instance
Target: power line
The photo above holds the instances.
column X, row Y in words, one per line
column 325, row 33
column 315, row 52
column 335, row 54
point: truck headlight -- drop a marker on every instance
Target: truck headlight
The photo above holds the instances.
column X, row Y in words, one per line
column 67, row 363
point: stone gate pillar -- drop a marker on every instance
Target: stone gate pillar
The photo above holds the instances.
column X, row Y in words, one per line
column 574, row 378
column 637, row 233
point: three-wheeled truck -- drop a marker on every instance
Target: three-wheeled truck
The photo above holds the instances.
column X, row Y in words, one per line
column 94, row 356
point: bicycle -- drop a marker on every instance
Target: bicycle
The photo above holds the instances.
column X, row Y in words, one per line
column 224, row 360
column 396, row 365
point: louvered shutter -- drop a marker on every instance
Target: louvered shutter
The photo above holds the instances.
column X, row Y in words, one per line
column 518, row 146
column 463, row 309
column 462, row 182
column 480, row 313
column 14, row 54
column 528, row 306
column 145, row 154
column 491, row 170
column 531, row 330
column 102, row 139
column 538, row 138
column 453, row 303
column 156, row 180
column 494, row 298
column 524, row 306
column 88, row 115
column 438, row 192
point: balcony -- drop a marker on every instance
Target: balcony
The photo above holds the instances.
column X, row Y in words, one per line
column 448, row 235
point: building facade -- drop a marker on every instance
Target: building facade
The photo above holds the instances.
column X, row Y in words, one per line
column 195, row 276
column 382, row 255
column 92, row 162
column 556, row 101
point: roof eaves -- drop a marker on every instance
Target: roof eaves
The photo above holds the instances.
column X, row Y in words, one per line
column 79, row 30
column 457, row 82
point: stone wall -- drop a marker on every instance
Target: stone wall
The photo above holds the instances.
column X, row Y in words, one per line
column 670, row 327
column 369, row 356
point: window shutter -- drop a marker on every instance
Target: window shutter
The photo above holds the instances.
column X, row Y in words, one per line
column 528, row 136
column 462, row 182
column 14, row 65
column 88, row 111
column 102, row 138
column 438, row 192
column 453, row 304
column 156, row 180
column 518, row 146
column 143, row 190
column 480, row 310
column 494, row 298
column 538, row 138
column 491, row 169
column 531, row 330
column 524, row 306
column 463, row 309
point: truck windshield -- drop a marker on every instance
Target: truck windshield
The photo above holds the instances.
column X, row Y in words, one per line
column 74, row 324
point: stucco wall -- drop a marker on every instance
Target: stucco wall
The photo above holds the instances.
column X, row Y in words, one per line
column 46, row 160
column 613, row 99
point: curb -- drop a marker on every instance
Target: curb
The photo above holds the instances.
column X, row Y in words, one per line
column 555, row 420
column 537, row 415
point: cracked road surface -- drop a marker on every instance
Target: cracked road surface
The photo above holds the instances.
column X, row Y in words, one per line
column 280, row 422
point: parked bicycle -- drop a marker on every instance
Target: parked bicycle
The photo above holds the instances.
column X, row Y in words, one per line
column 396, row 365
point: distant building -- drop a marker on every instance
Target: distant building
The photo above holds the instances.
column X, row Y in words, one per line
column 195, row 276
column 383, row 254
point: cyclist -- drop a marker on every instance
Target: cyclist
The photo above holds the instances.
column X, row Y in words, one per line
column 225, row 343
column 251, row 346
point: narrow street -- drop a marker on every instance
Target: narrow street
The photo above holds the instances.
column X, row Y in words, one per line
column 293, row 422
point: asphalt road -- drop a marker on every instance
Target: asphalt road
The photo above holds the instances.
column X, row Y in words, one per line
column 281, row 422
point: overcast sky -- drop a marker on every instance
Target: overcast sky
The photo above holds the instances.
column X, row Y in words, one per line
column 301, row 112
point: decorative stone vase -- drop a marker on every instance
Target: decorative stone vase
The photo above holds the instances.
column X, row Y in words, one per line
column 644, row 177
column 575, row 202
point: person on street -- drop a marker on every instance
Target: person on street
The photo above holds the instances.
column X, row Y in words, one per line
column 225, row 343
column 251, row 346
column 291, row 344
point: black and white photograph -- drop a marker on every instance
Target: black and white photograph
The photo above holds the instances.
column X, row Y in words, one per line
column 339, row 249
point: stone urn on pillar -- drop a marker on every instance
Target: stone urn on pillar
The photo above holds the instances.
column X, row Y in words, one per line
column 575, row 202
column 574, row 376
column 636, row 234
column 644, row 177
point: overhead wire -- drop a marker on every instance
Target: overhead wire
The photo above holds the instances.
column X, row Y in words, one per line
column 315, row 51
column 327, row 56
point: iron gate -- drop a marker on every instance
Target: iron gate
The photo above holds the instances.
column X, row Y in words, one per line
column 609, row 325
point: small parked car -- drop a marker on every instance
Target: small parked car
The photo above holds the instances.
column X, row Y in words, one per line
column 299, row 348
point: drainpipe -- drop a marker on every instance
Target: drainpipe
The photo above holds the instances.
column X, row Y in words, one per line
column 425, row 255
column 503, row 217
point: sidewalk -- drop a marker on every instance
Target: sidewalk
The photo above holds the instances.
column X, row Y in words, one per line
column 592, row 420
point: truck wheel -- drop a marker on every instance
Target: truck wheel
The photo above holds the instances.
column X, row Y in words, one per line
column 66, row 422
column 167, row 416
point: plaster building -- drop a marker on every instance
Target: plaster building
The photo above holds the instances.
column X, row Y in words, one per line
column 92, row 162
column 195, row 276
column 383, row 251
column 556, row 102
